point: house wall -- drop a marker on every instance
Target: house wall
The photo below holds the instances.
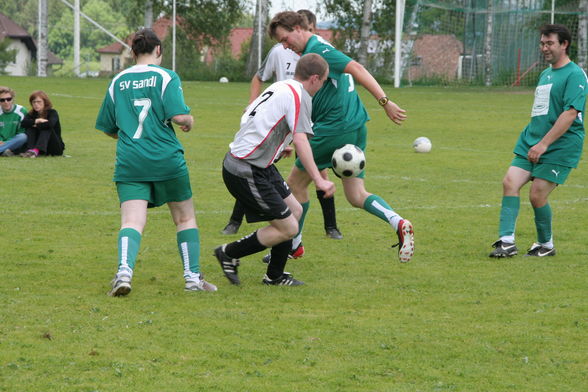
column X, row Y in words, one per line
column 22, row 61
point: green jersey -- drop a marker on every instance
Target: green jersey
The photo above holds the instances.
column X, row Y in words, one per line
column 138, row 105
column 10, row 122
column 336, row 107
column 558, row 90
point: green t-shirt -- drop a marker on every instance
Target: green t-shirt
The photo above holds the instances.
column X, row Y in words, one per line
column 558, row 90
column 10, row 122
column 336, row 107
column 138, row 104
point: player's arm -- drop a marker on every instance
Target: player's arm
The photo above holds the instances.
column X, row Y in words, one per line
column 304, row 152
column 185, row 121
column 562, row 124
column 255, row 88
column 363, row 77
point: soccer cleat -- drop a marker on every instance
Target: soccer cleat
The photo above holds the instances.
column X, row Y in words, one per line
column 503, row 249
column 7, row 153
column 228, row 264
column 285, row 280
column 539, row 250
column 199, row 284
column 405, row 241
column 121, row 285
column 334, row 233
column 294, row 254
column 231, row 228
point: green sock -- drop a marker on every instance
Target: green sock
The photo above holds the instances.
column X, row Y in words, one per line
column 508, row 215
column 305, row 207
column 129, row 241
column 377, row 206
column 189, row 248
column 543, row 223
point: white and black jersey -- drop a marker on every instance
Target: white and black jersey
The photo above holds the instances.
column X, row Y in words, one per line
column 269, row 122
column 280, row 62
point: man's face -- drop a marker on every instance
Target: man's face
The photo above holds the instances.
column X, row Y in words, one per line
column 293, row 40
column 552, row 50
column 6, row 102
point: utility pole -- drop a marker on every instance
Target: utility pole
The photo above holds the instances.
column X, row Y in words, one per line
column 148, row 14
column 42, row 40
column 77, row 38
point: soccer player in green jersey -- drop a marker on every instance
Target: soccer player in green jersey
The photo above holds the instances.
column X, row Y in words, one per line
column 339, row 118
column 549, row 146
column 150, row 166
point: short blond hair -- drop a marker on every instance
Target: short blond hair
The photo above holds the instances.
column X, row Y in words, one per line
column 7, row 90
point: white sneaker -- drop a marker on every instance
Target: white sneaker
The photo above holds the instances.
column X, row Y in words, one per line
column 121, row 285
column 196, row 284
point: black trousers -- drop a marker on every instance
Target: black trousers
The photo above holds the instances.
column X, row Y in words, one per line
column 46, row 141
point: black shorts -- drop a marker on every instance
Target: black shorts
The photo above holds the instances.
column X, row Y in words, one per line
column 261, row 190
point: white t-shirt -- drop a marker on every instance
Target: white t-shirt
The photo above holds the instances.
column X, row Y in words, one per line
column 280, row 62
column 269, row 122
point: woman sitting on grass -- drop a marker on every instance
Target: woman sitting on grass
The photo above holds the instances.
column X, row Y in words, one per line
column 42, row 128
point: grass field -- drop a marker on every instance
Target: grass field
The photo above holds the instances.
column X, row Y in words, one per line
column 450, row 320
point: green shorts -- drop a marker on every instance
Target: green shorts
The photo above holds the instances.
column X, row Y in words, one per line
column 324, row 146
column 156, row 193
column 546, row 171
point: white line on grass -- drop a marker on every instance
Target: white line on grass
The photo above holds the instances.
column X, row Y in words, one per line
column 561, row 205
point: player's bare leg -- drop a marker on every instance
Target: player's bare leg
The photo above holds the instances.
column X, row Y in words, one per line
column 133, row 220
column 359, row 197
column 188, row 239
column 513, row 181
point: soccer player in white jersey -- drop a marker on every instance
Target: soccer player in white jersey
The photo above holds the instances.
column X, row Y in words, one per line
column 278, row 117
column 280, row 64
column 139, row 106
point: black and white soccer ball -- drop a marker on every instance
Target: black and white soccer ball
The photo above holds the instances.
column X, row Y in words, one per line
column 348, row 161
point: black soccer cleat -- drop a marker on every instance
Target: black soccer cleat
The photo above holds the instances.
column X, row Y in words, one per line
column 334, row 233
column 231, row 228
column 503, row 249
column 228, row 264
column 538, row 250
column 285, row 280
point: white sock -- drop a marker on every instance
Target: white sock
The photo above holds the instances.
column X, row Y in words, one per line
column 509, row 239
column 296, row 241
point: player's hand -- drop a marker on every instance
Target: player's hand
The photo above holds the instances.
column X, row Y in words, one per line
column 535, row 152
column 287, row 153
column 326, row 186
column 395, row 113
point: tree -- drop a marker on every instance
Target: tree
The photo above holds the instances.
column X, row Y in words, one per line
column 364, row 34
column 61, row 34
column 7, row 56
column 583, row 34
column 209, row 21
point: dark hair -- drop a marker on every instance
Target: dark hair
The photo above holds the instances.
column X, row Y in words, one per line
column 287, row 20
column 47, row 105
column 310, row 64
column 145, row 41
column 310, row 17
column 563, row 34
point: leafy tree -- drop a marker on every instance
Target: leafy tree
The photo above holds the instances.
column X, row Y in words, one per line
column 209, row 21
column 7, row 56
column 91, row 38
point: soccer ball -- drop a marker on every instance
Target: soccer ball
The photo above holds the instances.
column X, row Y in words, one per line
column 348, row 161
column 224, row 79
column 422, row 144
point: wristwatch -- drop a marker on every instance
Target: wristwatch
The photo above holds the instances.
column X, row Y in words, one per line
column 383, row 101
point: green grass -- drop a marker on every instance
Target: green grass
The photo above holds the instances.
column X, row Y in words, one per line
column 451, row 320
